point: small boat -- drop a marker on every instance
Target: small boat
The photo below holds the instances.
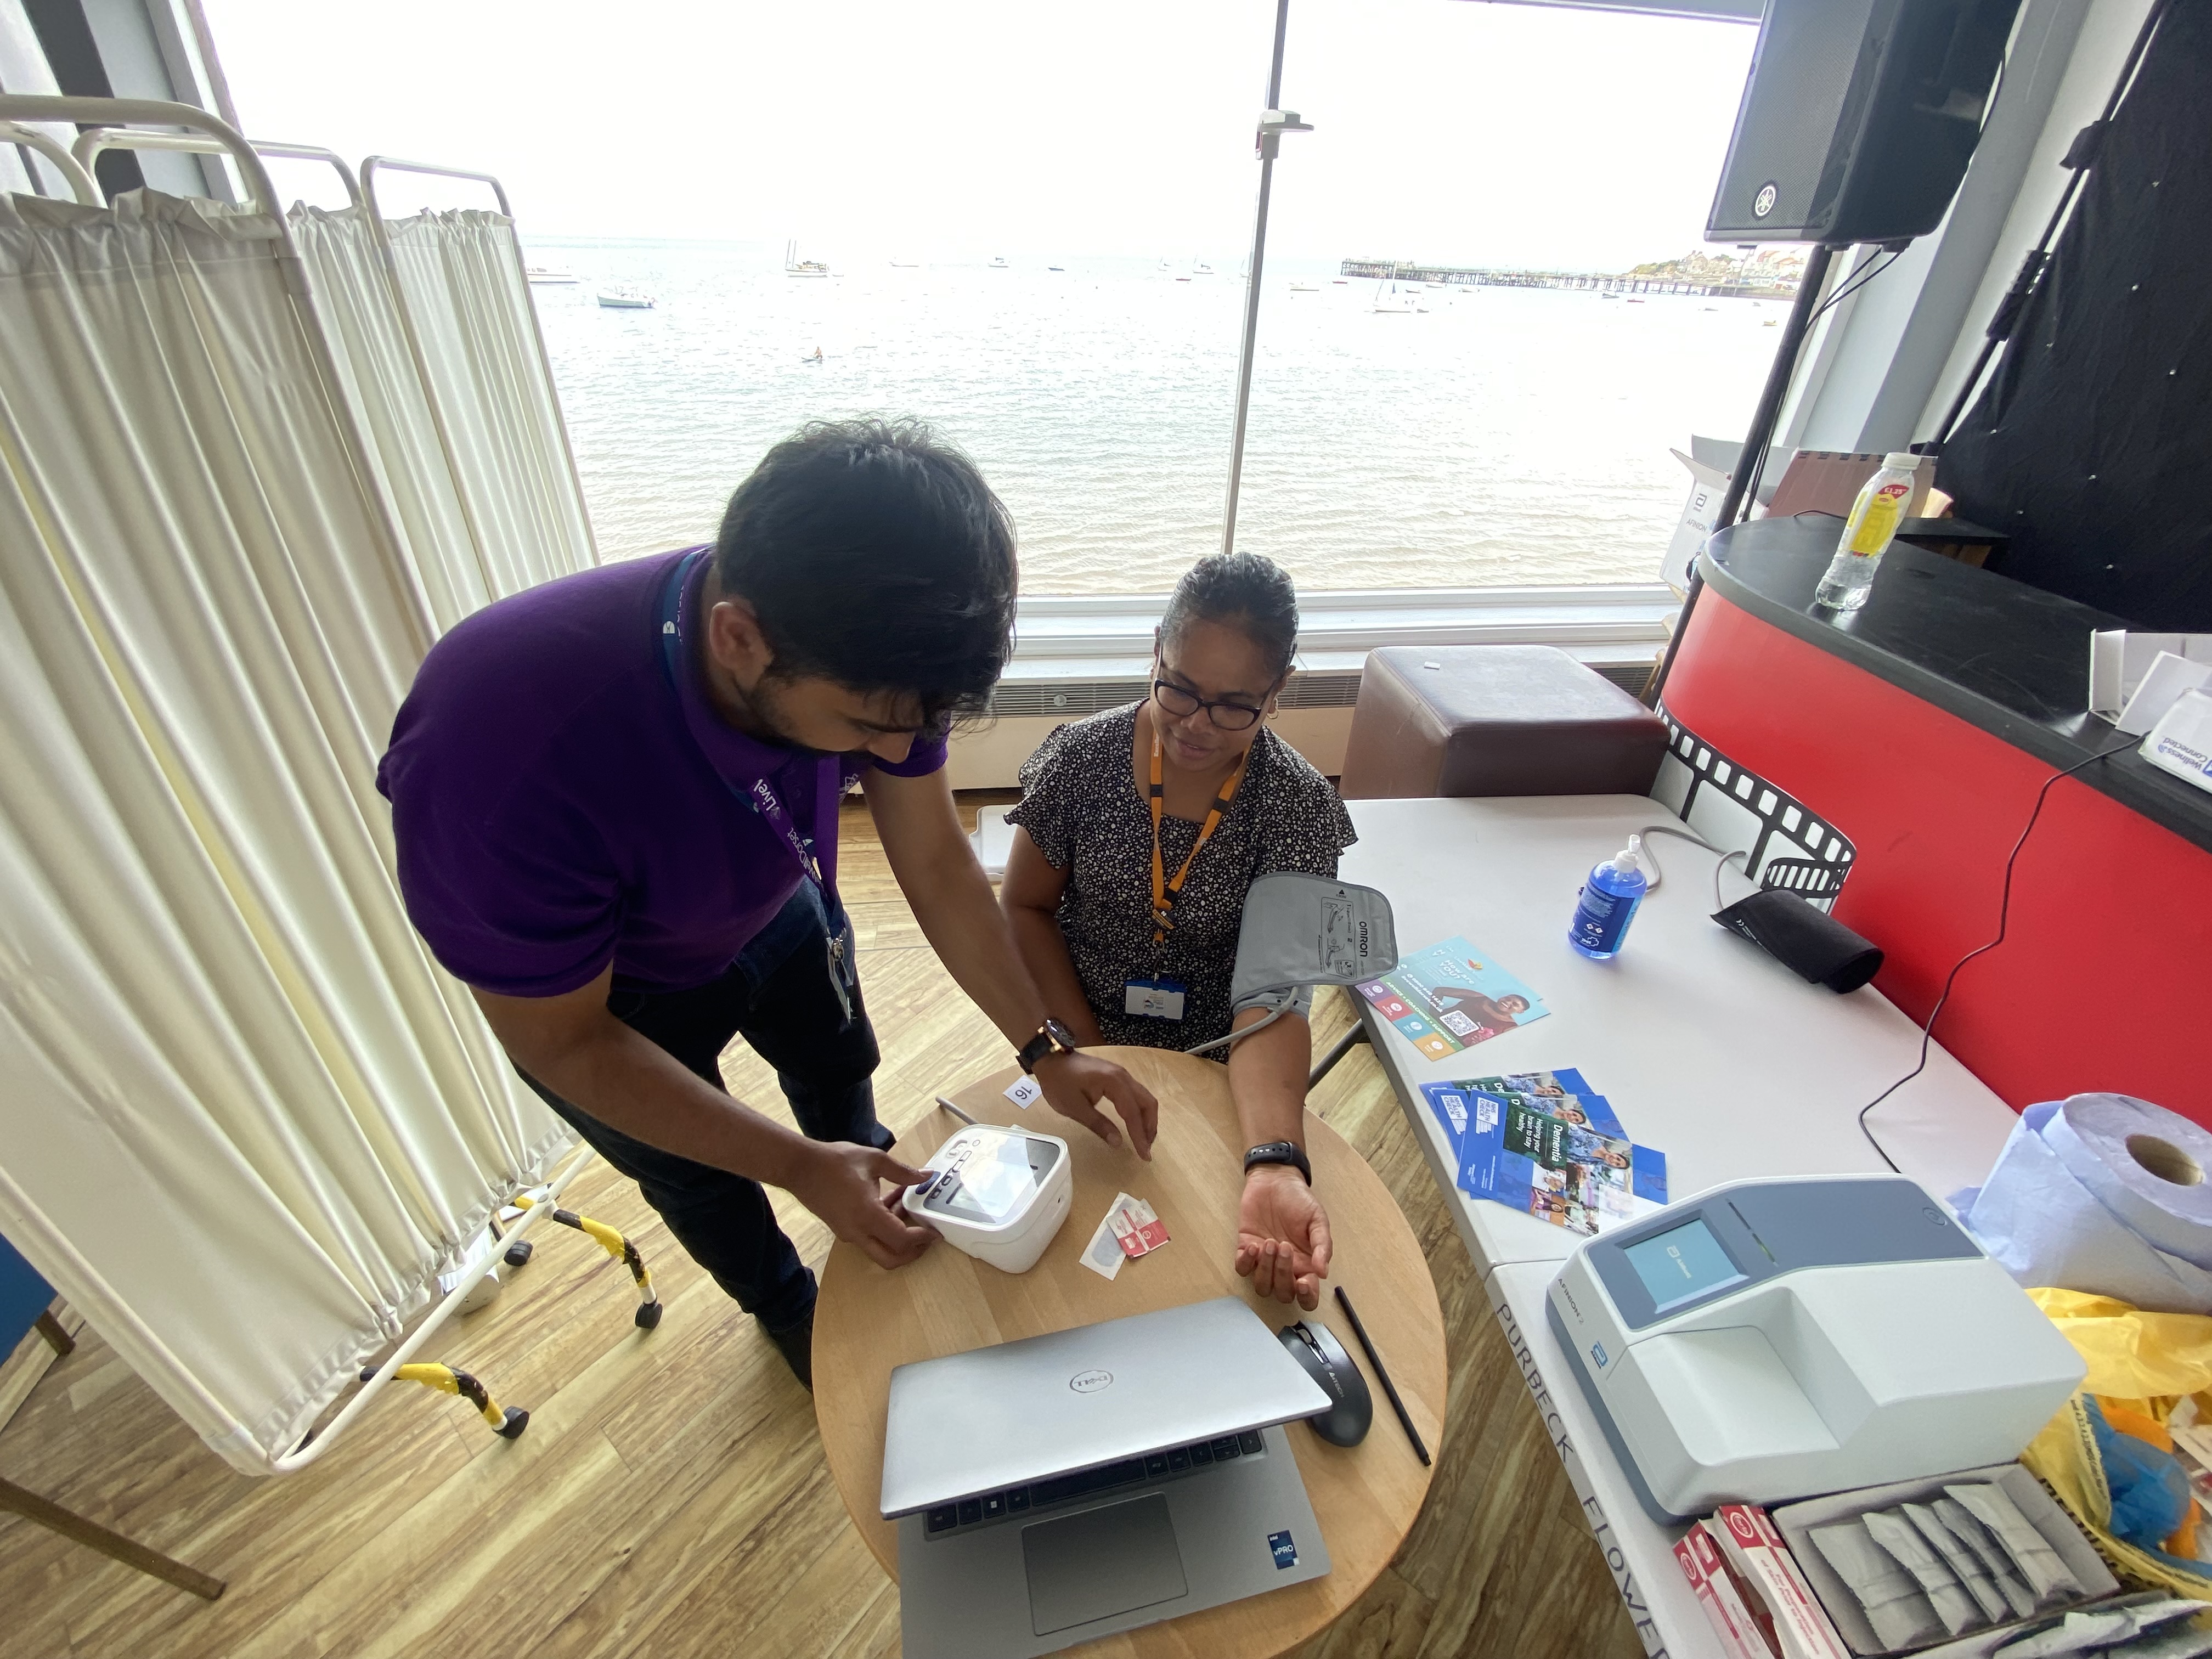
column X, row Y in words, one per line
column 625, row 299
column 1633, row 301
column 906, row 265
column 1303, row 288
column 1056, row 267
column 1339, row 281
column 1200, row 268
column 1164, row 266
column 814, row 360
column 795, row 267
column 998, row 262
column 1393, row 304
column 547, row 274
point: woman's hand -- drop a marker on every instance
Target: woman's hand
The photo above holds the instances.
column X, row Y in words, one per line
column 1282, row 1235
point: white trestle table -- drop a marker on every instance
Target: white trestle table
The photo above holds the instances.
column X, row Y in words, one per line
column 1711, row 1051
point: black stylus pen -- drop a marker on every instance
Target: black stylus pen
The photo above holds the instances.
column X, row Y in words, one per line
column 1382, row 1376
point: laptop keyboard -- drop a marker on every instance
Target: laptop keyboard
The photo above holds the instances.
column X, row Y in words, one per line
column 1065, row 1488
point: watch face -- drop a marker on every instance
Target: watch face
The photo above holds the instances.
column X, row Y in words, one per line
column 1060, row 1034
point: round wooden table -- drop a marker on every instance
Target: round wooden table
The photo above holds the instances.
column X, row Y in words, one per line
column 1365, row 1497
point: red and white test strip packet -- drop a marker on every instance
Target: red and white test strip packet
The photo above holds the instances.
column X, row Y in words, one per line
column 1137, row 1227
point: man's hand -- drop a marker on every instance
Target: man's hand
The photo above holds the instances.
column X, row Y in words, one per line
column 837, row 1180
column 1282, row 1235
column 1075, row 1083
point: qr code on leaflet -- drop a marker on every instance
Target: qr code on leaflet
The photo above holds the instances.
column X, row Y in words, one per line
column 1486, row 1112
column 1456, row 1023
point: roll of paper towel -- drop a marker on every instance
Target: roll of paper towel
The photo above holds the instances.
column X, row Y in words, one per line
column 2105, row 1194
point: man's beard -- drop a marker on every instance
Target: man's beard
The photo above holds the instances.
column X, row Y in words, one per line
column 768, row 721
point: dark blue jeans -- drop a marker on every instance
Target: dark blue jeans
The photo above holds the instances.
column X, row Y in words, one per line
column 778, row 996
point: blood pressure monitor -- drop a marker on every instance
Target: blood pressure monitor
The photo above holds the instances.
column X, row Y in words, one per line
column 998, row 1195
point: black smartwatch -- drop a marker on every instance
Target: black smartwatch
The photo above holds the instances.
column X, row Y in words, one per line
column 1050, row 1036
column 1279, row 1151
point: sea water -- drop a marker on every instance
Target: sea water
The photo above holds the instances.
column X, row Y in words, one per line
column 1499, row 436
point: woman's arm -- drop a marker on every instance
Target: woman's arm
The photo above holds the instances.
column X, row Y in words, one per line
column 1282, row 1230
column 1030, row 895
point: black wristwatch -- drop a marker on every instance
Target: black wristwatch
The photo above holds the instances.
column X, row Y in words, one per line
column 1279, row 1151
column 1050, row 1036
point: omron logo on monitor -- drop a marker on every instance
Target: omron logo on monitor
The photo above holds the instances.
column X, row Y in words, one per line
column 1090, row 1382
column 1763, row 204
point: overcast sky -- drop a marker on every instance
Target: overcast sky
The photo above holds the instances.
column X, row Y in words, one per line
column 1446, row 130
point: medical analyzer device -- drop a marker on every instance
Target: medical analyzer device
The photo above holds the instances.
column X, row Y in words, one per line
column 1775, row 1339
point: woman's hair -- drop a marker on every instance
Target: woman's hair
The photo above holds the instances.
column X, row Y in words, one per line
column 875, row 555
column 1248, row 591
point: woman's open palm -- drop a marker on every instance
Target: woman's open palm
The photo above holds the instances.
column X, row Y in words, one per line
column 1283, row 1243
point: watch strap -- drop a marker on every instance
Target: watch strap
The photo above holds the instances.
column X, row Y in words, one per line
column 1279, row 1151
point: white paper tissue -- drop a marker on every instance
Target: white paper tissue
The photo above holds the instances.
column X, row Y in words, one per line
column 2104, row 1194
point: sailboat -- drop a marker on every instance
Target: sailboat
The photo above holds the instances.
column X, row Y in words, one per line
column 795, row 267
column 547, row 274
column 998, row 262
column 1392, row 304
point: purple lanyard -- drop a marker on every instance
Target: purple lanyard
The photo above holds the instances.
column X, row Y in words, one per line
column 828, row 783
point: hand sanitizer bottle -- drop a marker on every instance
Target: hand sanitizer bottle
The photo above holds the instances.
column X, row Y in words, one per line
column 1609, row 903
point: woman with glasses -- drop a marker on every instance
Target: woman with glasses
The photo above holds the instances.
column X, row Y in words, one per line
column 1140, row 830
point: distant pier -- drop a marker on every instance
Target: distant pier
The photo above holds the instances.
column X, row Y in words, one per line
column 1399, row 271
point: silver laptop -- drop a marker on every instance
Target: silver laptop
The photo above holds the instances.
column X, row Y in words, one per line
column 1065, row 1487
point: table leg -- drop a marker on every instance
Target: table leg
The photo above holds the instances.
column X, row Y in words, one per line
column 57, row 1338
column 114, row 1545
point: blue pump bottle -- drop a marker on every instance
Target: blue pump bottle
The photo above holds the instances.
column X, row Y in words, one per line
column 1609, row 903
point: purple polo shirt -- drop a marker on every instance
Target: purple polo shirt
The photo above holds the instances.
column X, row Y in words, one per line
column 559, row 803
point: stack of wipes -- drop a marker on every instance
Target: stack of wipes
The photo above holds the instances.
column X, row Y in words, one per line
column 2104, row 1194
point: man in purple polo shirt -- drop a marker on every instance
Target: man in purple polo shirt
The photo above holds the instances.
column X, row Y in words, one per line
column 615, row 798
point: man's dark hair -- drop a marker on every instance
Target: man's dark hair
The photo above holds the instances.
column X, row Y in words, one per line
column 875, row 555
column 1248, row 591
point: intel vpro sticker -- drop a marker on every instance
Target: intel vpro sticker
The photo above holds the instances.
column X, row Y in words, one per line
column 1287, row 1553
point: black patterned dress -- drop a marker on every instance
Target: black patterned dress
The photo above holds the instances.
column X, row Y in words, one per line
column 1081, row 805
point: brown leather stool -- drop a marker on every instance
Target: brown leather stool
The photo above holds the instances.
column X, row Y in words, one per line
column 1495, row 719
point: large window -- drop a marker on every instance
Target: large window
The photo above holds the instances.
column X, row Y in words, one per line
column 1034, row 221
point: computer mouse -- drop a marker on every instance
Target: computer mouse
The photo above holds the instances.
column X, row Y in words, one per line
column 1316, row 1348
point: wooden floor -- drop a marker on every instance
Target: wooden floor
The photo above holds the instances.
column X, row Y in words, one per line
column 670, row 1497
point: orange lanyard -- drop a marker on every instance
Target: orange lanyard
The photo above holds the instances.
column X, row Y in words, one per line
column 1167, row 890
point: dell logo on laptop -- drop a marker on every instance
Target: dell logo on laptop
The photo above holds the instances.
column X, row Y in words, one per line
column 1090, row 1382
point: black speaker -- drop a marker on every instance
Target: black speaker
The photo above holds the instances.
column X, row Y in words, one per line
column 1857, row 118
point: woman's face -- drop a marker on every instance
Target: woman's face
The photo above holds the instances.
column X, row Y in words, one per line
column 1215, row 663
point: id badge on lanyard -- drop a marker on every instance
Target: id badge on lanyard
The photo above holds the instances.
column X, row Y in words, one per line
column 1154, row 999
column 765, row 803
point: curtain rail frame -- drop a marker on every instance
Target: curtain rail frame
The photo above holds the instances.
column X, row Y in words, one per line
column 91, row 142
column 73, row 172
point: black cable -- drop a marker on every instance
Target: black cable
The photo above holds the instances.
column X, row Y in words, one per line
column 1851, row 285
column 2004, row 918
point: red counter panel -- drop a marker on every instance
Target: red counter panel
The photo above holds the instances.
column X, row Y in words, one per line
column 2104, row 978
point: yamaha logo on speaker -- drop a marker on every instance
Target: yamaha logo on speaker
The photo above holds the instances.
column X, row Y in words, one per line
column 1090, row 1382
column 1763, row 204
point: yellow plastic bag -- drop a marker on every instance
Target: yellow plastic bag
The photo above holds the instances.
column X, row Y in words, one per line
column 2143, row 1363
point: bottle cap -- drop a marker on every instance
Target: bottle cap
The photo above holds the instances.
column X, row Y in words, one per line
column 1903, row 460
column 1630, row 858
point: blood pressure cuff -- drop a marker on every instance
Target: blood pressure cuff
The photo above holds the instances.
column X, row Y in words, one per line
column 1301, row 931
column 1810, row 942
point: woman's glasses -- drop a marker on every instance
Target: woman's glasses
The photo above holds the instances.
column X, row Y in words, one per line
column 1229, row 716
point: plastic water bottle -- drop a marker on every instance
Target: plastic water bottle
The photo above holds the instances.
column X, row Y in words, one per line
column 1609, row 903
column 1867, row 533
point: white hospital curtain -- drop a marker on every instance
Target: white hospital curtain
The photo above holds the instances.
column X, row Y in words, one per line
column 461, row 279
column 245, row 1122
column 352, row 297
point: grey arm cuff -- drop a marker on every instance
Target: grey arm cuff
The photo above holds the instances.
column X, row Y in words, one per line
column 1300, row 1002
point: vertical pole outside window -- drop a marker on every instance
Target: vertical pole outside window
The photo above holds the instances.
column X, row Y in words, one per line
column 1274, row 121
